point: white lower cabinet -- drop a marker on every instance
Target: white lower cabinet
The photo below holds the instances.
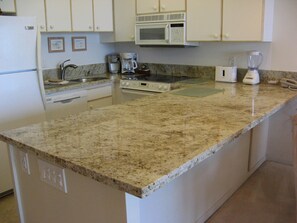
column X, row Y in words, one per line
column 99, row 97
column 100, row 103
column 280, row 140
column 258, row 145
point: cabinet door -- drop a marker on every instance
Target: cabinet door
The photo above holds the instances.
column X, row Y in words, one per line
column 58, row 15
column 7, row 5
column 103, row 15
column 100, row 103
column 172, row 5
column 32, row 8
column 147, row 6
column 242, row 20
column 124, row 22
column 258, row 147
column 204, row 20
column 82, row 15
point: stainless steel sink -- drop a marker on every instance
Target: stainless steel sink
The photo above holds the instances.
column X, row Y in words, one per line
column 83, row 80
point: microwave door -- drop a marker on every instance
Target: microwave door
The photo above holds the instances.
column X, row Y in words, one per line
column 152, row 34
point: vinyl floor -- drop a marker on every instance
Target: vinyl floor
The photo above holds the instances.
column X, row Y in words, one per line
column 268, row 196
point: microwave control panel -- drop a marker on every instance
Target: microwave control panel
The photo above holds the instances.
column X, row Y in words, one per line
column 177, row 33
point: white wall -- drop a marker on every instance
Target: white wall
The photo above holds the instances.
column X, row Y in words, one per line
column 281, row 54
column 95, row 52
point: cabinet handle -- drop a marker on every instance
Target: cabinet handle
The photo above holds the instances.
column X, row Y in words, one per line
column 155, row 8
column 227, row 36
column 163, row 7
column 90, row 27
column 132, row 37
column 51, row 27
column 42, row 27
column 215, row 36
column 97, row 27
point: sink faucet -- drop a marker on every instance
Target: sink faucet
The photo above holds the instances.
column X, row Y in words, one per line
column 63, row 68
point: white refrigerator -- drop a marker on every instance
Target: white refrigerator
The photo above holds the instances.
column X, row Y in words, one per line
column 21, row 83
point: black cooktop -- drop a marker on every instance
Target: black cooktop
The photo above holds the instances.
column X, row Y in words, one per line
column 155, row 78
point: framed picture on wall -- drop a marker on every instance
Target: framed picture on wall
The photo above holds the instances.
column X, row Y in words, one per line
column 56, row 44
column 79, row 43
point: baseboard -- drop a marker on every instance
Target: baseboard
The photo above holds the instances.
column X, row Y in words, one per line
column 6, row 193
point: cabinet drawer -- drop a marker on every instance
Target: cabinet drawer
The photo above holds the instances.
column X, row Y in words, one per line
column 99, row 92
column 100, row 102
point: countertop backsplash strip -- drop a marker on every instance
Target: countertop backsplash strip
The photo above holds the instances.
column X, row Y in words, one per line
column 207, row 72
column 90, row 70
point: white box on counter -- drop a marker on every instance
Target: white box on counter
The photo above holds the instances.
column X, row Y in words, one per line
column 226, row 74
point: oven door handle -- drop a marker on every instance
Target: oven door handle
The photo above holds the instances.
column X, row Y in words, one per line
column 139, row 92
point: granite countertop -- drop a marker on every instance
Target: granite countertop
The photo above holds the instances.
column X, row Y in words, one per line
column 140, row 146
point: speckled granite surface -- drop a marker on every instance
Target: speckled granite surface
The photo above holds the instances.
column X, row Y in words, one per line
column 89, row 70
column 144, row 144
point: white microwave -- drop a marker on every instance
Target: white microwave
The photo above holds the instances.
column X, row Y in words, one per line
column 162, row 30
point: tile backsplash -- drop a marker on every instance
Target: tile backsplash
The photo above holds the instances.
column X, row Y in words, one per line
column 90, row 70
column 167, row 69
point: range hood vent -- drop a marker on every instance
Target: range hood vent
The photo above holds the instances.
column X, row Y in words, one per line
column 181, row 16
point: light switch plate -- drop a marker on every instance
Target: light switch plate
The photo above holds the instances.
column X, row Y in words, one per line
column 52, row 175
column 25, row 162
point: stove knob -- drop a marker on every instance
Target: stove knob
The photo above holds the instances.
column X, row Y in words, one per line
column 165, row 88
column 127, row 83
column 160, row 87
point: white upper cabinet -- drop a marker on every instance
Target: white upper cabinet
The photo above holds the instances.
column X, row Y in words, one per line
column 156, row 6
column 82, row 15
column 7, row 5
column 204, row 20
column 32, row 8
column 147, row 6
column 229, row 20
column 103, row 15
column 124, row 22
column 58, row 15
column 172, row 5
column 242, row 20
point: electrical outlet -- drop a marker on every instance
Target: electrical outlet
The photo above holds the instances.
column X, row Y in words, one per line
column 52, row 175
column 25, row 162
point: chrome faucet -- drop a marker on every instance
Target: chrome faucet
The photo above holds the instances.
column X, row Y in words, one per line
column 63, row 68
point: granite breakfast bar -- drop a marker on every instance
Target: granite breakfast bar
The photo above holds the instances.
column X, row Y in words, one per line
column 163, row 158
